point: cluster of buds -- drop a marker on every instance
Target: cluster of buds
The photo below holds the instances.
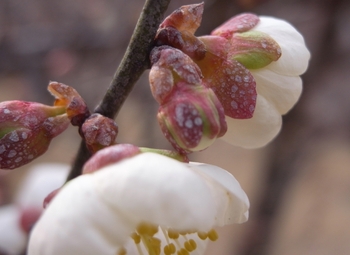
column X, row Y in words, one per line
column 197, row 81
column 226, row 67
column 190, row 114
column 27, row 128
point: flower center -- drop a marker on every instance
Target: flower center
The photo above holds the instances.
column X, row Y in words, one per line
column 147, row 238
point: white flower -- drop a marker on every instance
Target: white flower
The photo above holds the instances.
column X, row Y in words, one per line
column 12, row 237
column 147, row 204
column 17, row 218
column 278, row 85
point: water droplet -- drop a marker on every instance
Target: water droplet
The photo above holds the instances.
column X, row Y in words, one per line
column 189, row 123
column 234, row 104
column 234, row 88
column 19, row 159
column 198, row 121
column 14, row 136
column 12, row 153
column 2, row 149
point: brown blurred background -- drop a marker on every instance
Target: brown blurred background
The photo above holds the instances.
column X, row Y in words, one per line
column 299, row 185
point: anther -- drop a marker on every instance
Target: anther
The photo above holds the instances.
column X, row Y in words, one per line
column 169, row 249
column 213, row 235
column 147, row 229
column 183, row 252
column 136, row 238
column 173, row 234
column 202, row 235
column 121, row 251
column 190, row 245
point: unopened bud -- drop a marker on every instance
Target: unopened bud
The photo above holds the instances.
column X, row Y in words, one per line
column 186, row 18
column 193, row 119
column 171, row 66
column 99, row 132
column 49, row 197
column 28, row 218
column 26, row 130
column 115, row 153
column 110, row 155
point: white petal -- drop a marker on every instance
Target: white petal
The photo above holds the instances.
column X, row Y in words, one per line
column 12, row 238
column 282, row 91
column 257, row 131
column 295, row 56
column 77, row 221
column 41, row 180
column 159, row 190
column 233, row 203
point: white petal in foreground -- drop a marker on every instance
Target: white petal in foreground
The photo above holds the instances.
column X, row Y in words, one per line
column 145, row 203
column 280, row 90
column 233, row 202
column 295, row 56
column 257, row 131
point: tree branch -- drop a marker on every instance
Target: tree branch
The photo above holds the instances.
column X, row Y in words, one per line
column 134, row 63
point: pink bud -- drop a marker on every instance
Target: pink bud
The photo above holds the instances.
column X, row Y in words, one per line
column 99, row 132
column 26, row 130
column 186, row 18
column 109, row 155
column 192, row 119
column 169, row 67
column 28, row 218
column 49, row 197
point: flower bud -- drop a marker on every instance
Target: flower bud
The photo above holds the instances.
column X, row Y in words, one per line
column 110, row 155
column 68, row 97
column 118, row 152
column 192, row 119
column 186, row 18
column 171, row 66
column 26, row 130
column 99, row 132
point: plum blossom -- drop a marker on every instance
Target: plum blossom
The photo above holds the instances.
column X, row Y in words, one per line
column 278, row 83
column 143, row 204
column 252, row 64
column 17, row 219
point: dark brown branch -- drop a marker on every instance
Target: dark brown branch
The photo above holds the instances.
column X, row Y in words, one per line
column 134, row 63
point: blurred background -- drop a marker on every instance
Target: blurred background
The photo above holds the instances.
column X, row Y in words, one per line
column 299, row 185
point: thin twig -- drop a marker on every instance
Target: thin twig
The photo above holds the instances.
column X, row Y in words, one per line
column 134, row 63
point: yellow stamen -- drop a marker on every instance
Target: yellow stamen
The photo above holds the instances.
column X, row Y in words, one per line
column 213, row 235
column 173, row 234
column 190, row 245
column 169, row 249
column 183, row 252
column 202, row 235
column 121, row 251
column 147, row 229
column 152, row 244
column 136, row 237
